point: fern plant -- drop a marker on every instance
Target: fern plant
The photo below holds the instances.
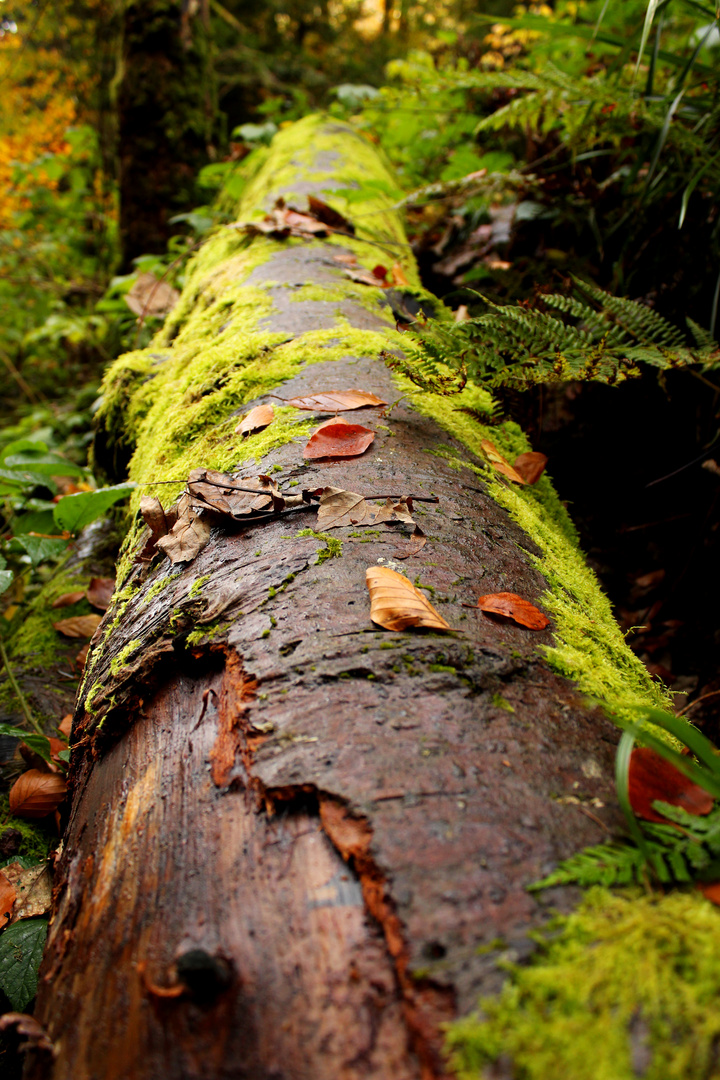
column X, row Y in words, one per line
column 590, row 335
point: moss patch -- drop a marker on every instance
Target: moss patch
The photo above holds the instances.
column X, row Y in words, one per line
column 627, row 977
column 332, row 549
column 36, row 843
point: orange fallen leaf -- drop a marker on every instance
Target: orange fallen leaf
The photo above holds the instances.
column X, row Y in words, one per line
column 398, row 276
column 68, row 598
column 710, row 890
column 79, row 626
column 81, row 657
column 512, row 606
column 257, row 419
column 368, row 277
column 100, row 591
column 531, row 466
column 651, row 777
column 336, row 400
column 499, row 463
column 7, row 899
column 65, row 726
column 395, row 603
column 36, row 794
column 338, row 439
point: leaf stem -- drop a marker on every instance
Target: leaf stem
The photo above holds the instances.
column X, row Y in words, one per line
column 18, row 692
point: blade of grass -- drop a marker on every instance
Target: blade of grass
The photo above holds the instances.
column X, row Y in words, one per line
column 692, row 185
column 18, row 692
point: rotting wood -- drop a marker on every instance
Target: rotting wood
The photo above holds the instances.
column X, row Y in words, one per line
column 311, row 824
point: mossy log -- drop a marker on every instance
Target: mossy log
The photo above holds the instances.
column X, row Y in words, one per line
column 296, row 840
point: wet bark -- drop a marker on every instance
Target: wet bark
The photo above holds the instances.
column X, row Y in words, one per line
column 166, row 117
column 321, row 833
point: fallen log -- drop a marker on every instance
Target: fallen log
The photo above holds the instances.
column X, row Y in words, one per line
column 295, row 836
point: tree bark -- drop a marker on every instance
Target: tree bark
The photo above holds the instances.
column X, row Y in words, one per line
column 316, row 829
column 167, row 113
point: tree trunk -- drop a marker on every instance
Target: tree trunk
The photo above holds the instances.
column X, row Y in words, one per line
column 166, row 117
column 312, row 827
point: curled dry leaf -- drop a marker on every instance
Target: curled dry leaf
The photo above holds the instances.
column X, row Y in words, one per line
column 651, row 777
column 368, row 277
column 395, row 603
column 257, row 419
column 338, row 439
column 336, row 400
column 417, row 541
column 188, row 536
column 230, row 497
column 68, row 598
column 36, row 794
column 159, row 523
column 512, row 606
column 398, row 511
column 531, row 466
column 79, row 626
column 328, row 216
column 100, row 591
column 338, row 507
column 499, row 463
column 150, row 296
column 7, row 899
column 37, row 1037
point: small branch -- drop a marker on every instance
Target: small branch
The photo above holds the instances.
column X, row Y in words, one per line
column 18, row 692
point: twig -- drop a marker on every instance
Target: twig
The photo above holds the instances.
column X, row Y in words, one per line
column 18, row 692
column 710, row 693
column 22, row 383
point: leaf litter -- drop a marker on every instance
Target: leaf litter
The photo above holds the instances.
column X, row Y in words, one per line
column 338, row 439
column 512, row 606
column 256, row 420
column 283, row 221
column 336, row 401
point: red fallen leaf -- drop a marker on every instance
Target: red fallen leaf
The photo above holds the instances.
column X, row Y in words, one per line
column 100, row 592
column 36, row 794
column 68, row 598
column 380, row 272
column 257, row 419
column 336, row 401
column 513, row 607
column 531, row 466
column 710, row 890
column 338, row 440
column 7, row 899
column 651, row 777
column 332, row 420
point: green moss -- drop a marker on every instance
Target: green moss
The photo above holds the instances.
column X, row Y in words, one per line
column 162, row 583
column 619, row 964
column 443, row 667
column 502, row 703
column 332, row 549
column 118, row 662
column 35, row 844
column 206, row 633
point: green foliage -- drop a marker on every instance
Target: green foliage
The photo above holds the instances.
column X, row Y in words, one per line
column 39, row 743
column 74, row 512
column 595, row 336
column 21, row 949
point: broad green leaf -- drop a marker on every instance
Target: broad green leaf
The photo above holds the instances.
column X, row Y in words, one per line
column 21, row 949
column 20, row 445
column 46, row 464
column 74, row 512
column 41, row 548
column 39, row 743
column 40, row 521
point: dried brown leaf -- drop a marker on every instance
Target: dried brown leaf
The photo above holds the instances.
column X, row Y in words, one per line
column 79, row 626
column 395, row 603
column 36, row 794
column 651, row 777
column 398, row 511
column 399, row 278
column 499, row 463
column 336, row 401
column 328, row 216
column 158, row 521
column 226, row 495
column 188, row 536
column 366, row 277
column 149, row 296
column 68, row 598
column 512, row 606
column 82, row 656
column 417, row 541
column 7, row 899
column 338, row 439
column 100, row 592
column 34, row 892
column 531, row 466
column 65, row 726
column 257, row 419
column 338, row 507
